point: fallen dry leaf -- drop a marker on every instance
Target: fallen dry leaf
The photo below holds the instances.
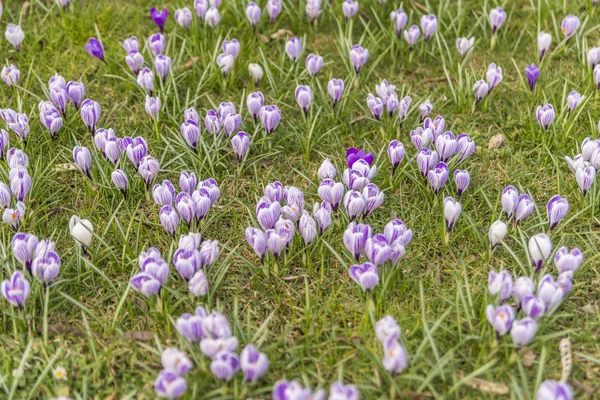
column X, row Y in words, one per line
column 487, row 387
column 65, row 167
column 496, row 141
column 263, row 38
column 281, row 33
column 142, row 336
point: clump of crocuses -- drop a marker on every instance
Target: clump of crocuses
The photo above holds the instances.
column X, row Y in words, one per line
column 153, row 275
column 395, row 359
column 191, row 259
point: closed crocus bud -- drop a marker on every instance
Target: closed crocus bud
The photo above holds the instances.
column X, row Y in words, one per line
column 588, row 147
column 119, row 179
column 136, row 149
column 175, row 360
column 543, row 43
column 159, row 17
column 135, row 61
column 5, row 195
column 46, row 267
column 596, row 74
column 183, row 16
column 209, row 252
column 497, row 18
column 570, row 25
column 274, row 191
column 573, row 100
column 349, row 8
column 313, row 9
column 522, row 288
column 90, row 114
column 550, row 292
column 585, row 178
column 373, row 198
column 51, row 120
column 270, row 117
column 493, row 76
column 81, row 230
column 95, row 49
column 212, row 17
column 553, row 390
column 10, row 75
column 500, row 283
column 425, row 109
column 426, row 159
column 480, row 89
column 594, row 56
column 254, row 103
column 355, row 237
column 497, row 233
column 335, row 88
column 240, row 143
column 402, row 108
column 395, row 359
column 253, row 13
column 157, row 43
column 162, row 66
column 387, row 328
column 169, row 219
column 190, row 132
column 446, row 145
column 273, row 9
column 523, row 331
column 396, row 231
column 277, row 240
column 170, row 385
column 461, row 180
column 293, row 48
column 76, row 93
column 202, row 203
column 326, row 170
column 187, row 182
column 566, row 260
column 556, row 209
column 396, row 154
column 163, row 194
column 15, row 35
column 464, row 45
column 509, row 200
column 201, row 7
column 145, row 80
column 307, row 228
column 254, row 364
column 540, row 247
column 303, row 97
column 411, row 35
column 267, row 212
column 186, row 207
column 231, row 123
column 366, row 275
column 438, row 176
column 524, row 208
column 152, row 107
column 17, row 158
column 83, row 159
column 452, row 210
column 532, row 306
column 358, row 57
column 532, row 72
column 375, row 105
column 187, row 262
column 131, row 44
column 20, row 183
column 331, row 192
column 256, row 72
column 399, row 19
column 377, row 249
column 545, row 115
column 429, row 25
column 314, row 63
column 211, row 186
column 257, row 240
column 322, row 215
column 212, row 122
column 354, row 204
column 16, row 289
column 501, row 317
column 4, row 142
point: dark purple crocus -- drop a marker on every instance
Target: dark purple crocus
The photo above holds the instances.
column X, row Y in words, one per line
column 533, row 72
column 159, row 17
column 95, row 49
column 353, row 155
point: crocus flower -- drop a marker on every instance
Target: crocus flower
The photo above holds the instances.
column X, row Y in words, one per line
column 420, row 137
column 532, row 306
column 377, row 249
column 145, row 80
column 585, row 178
column 411, row 35
column 20, row 183
column 553, row 390
column 46, row 267
column 366, row 275
column 209, row 252
column 445, row 145
column 403, row 106
column 119, row 179
column 438, row 176
column 452, row 210
column 522, row 288
column 169, row 219
column 186, row 207
column 550, row 292
column 274, row 191
column 190, row 132
column 162, row 66
column 532, row 72
column 293, row 47
column 480, row 90
column 373, row 198
column 254, row 103
column 349, row 8
column 75, row 93
column 326, row 170
column 307, row 228
column 395, row 153
column 313, row 9
column 395, row 359
column 493, row 76
column 257, row 240
column 231, row 123
column 52, row 120
column 18, row 123
column 354, row 204
column 270, row 117
column 157, row 43
column 545, row 115
column 375, row 105
column 212, row 17
column 461, row 180
column 429, row 25
column 152, row 107
column 569, row 25
column 83, row 159
column 159, row 17
column 540, row 247
column 176, row 361
column 556, row 209
column 399, row 19
column 10, row 75
column 253, row 12
column 273, row 9
column 339, row 391
column 396, row 231
column 436, row 126
column 355, row 237
column 596, row 74
column 163, row 194
column 284, row 390
column 501, row 317
column 566, row 260
column 131, row 44
column 322, row 215
column 15, row 35
column 277, row 240
column 331, row 192
column 135, row 61
column 5, row 195
column 426, row 159
column 543, row 43
column 387, row 328
column 16, row 289
column 509, row 200
column 23, row 246
column 170, row 385
column 198, row 285
column 136, row 149
column 314, row 63
column 95, row 49
column 187, row 262
column 240, row 143
column 497, row 233
column 523, row 331
column 267, row 213
column 304, row 97
column 500, row 283
column 3, row 143
column 464, row 45
column 183, row 16
column 588, row 147
column 256, row 72
column 81, row 230
column 201, row 7
column 594, row 56
column 573, row 100
column 90, row 114
column 358, row 57
column 253, row 363
column 525, row 207
column 497, row 18
column 425, row 109
column 17, row 158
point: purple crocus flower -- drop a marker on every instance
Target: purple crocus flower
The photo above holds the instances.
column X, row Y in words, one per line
column 162, row 66
column 4, row 142
column 169, row 384
column 202, row 203
column 198, row 284
column 465, row 146
column 354, row 204
column 462, row 180
column 322, row 215
column 331, row 192
column 355, row 237
column 395, row 359
column 274, row 191
column 169, row 219
column 148, row 169
column 187, row 182
column 131, row 44
column 452, row 210
column 10, row 75
column 16, row 289
column 493, row 76
column 145, row 80
column 426, row 159
column 303, row 97
column 411, row 35
column 284, row 390
column 425, row 109
column 5, row 195
column 90, row 114
column 83, row 159
column 157, row 43
column 267, row 213
column 277, row 240
column 270, row 117
column 480, row 89
column 569, row 25
column 187, row 262
column 183, row 16
column 377, row 249
column 136, row 149
column 375, row 105
column 540, row 248
column 353, row 155
column 421, row 137
column 212, row 188
column 254, row 364
column 532, row 72
column 59, row 99
column 396, row 231
column 464, row 45
column 201, row 7
column 532, row 306
column 254, row 102
column 550, row 292
column 75, row 93
column 556, row 209
column 553, row 390
column 522, row 288
column 253, row 12
column 566, row 260
column 387, row 328
column 523, row 331
column 240, row 143
column 17, row 158
column 429, row 24
column 327, row 170
column 497, row 18
column 164, row 193
column 18, row 123
column 293, row 47
column 366, row 275
column 190, row 132
column 95, row 49
column 15, row 35
column 594, row 56
column 509, row 200
column 257, row 240
column 52, row 120
column 307, row 227
column 438, row 176
column 396, row 154
column 159, row 17
column 20, row 183
column 585, row 178
column 445, row 145
column 373, row 198
column 358, row 57
column 313, row 9
column 573, row 100
column 399, row 19
column 186, row 207
column 190, row 325
column 46, row 267
column 152, row 107
column 175, row 360
column 545, row 115
column 23, row 246
column 212, row 17
column 119, row 179
column 349, row 8
column 500, row 283
column 339, row 391
column 501, row 317
column 273, row 9
column 314, row 63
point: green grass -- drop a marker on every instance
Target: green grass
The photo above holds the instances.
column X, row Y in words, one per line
column 314, row 323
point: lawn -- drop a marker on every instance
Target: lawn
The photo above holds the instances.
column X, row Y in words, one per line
column 90, row 334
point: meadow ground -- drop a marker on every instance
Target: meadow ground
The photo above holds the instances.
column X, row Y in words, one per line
column 311, row 319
